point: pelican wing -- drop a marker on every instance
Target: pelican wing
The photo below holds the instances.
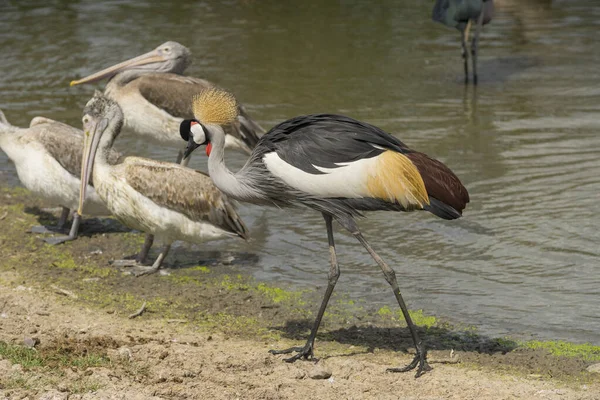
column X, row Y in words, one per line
column 63, row 142
column 170, row 92
column 183, row 190
column 174, row 93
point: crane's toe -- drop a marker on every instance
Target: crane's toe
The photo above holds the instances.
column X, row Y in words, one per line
column 420, row 360
column 304, row 352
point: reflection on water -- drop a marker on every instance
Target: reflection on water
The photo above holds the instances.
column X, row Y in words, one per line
column 524, row 259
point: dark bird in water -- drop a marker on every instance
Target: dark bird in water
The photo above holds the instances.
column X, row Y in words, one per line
column 337, row 166
column 460, row 14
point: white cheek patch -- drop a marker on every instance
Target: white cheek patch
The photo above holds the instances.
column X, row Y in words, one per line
column 198, row 133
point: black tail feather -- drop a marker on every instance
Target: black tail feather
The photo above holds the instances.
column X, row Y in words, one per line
column 441, row 209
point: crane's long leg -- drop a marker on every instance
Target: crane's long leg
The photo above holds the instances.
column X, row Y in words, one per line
column 306, row 352
column 475, row 44
column 390, row 276
column 465, row 52
column 64, row 215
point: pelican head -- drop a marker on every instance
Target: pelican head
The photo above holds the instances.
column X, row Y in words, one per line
column 102, row 122
column 168, row 57
column 212, row 109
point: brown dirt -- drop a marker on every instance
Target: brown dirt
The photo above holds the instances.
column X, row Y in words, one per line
column 206, row 332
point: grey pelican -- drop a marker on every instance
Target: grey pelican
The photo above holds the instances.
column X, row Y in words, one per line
column 459, row 14
column 155, row 97
column 47, row 156
column 339, row 167
column 163, row 199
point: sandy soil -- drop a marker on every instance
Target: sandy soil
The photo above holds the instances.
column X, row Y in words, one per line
column 206, row 332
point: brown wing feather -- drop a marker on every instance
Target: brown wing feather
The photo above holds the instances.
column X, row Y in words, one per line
column 177, row 101
column 440, row 181
column 183, row 190
column 63, row 142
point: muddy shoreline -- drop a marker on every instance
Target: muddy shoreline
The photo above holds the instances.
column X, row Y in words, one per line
column 71, row 300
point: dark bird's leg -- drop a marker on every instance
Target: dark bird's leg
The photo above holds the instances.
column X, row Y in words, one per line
column 72, row 233
column 420, row 359
column 475, row 45
column 64, row 215
column 465, row 52
column 306, row 352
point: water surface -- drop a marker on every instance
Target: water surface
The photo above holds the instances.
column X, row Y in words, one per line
column 524, row 259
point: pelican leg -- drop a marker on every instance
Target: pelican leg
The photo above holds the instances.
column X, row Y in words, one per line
column 420, row 358
column 475, row 44
column 148, row 241
column 157, row 264
column 306, row 351
column 64, row 215
column 72, row 233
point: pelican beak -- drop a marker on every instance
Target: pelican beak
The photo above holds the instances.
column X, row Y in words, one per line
column 148, row 58
column 91, row 138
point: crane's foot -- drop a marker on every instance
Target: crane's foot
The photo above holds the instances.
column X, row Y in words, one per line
column 41, row 229
column 419, row 360
column 305, row 352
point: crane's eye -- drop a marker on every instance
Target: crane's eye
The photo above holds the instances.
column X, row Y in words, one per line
column 167, row 49
column 85, row 120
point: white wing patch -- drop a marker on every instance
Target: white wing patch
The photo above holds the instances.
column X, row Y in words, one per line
column 349, row 180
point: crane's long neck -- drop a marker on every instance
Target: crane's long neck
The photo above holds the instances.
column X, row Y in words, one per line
column 234, row 185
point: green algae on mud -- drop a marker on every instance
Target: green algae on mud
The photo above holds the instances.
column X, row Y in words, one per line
column 221, row 299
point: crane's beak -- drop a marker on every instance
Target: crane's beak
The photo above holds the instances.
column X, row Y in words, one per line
column 92, row 132
column 191, row 146
column 148, row 58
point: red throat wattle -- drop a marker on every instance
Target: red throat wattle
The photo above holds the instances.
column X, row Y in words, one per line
column 208, row 149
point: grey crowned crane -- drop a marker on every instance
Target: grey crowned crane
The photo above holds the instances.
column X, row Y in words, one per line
column 460, row 14
column 167, row 200
column 47, row 156
column 155, row 97
column 337, row 166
